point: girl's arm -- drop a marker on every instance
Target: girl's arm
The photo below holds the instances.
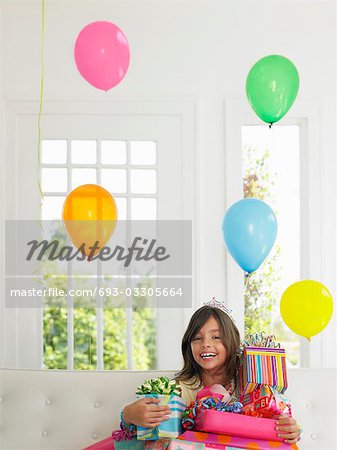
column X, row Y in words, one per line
column 145, row 413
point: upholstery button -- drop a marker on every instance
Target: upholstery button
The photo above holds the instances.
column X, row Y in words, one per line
column 96, row 404
column 44, row 433
column 47, row 402
column 94, row 435
column 314, row 436
column 308, row 405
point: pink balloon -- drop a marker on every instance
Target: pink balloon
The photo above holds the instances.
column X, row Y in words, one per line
column 102, row 54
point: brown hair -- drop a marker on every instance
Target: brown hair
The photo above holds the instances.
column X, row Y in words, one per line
column 230, row 337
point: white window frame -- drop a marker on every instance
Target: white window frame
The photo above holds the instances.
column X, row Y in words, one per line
column 307, row 116
column 98, row 166
column 23, row 327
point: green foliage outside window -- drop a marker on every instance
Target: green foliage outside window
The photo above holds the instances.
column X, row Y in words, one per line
column 55, row 332
column 261, row 287
column 55, row 338
column 114, row 344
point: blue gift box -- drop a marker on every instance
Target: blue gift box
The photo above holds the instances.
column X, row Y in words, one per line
column 170, row 428
column 129, row 444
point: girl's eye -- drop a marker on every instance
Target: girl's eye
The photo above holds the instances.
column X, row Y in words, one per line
column 216, row 337
column 197, row 338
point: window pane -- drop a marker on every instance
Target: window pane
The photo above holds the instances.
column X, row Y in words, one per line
column 143, row 181
column 114, row 346
column 114, row 180
column 143, row 152
column 52, row 208
column 55, row 338
column 144, row 352
column 121, row 207
column 113, row 152
column 83, row 152
column 54, row 180
column 143, row 208
column 83, row 176
column 272, row 173
column 85, row 339
column 54, row 152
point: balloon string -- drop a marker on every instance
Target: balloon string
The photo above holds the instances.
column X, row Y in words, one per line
column 247, row 278
column 40, row 109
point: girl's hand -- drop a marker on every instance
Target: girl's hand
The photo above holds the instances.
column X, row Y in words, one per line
column 145, row 413
column 287, row 429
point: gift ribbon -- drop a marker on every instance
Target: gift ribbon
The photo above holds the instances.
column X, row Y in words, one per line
column 260, row 339
column 215, row 403
column 161, row 385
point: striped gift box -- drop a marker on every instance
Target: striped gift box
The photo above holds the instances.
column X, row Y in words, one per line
column 262, row 365
column 170, row 428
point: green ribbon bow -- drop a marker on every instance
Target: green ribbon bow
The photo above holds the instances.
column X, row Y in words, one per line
column 161, row 385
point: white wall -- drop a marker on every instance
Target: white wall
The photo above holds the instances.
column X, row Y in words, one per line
column 199, row 50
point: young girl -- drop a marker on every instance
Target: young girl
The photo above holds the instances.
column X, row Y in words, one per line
column 209, row 348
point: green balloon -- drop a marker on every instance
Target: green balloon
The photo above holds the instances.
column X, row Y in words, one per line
column 271, row 87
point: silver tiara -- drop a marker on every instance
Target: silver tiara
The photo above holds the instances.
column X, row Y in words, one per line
column 220, row 305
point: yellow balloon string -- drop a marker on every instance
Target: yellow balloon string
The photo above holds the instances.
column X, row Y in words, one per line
column 40, row 108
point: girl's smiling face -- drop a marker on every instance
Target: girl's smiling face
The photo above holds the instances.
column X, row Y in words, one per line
column 207, row 348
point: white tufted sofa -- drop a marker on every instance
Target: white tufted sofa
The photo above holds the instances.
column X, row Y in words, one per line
column 58, row 410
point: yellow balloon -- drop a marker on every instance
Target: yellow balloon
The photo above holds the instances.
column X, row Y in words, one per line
column 306, row 307
column 89, row 215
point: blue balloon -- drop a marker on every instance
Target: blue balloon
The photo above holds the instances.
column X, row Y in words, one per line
column 249, row 229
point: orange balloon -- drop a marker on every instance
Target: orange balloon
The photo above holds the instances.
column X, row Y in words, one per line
column 90, row 215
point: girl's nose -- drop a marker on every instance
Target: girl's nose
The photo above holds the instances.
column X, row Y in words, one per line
column 205, row 344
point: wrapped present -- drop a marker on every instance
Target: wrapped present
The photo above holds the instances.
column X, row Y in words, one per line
column 105, row 444
column 129, row 444
column 177, row 444
column 124, row 440
column 161, row 444
column 214, row 397
column 170, row 428
column 265, row 401
column 169, row 394
column 217, row 391
column 234, row 442
column 220, row 422
column 112, row 444
column 263, row 362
